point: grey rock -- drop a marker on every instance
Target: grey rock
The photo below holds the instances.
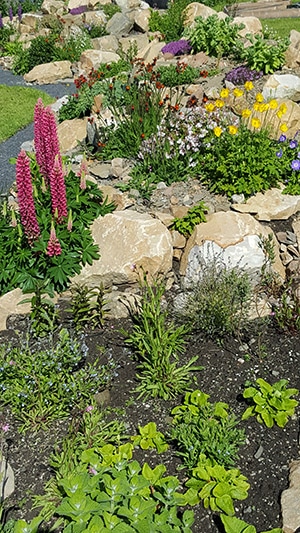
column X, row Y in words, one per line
column 7, row 483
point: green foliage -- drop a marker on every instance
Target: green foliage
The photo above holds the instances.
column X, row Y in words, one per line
column 5, row 34
column 21, row 526
column 216, row 37
column 42, row 385
column 158, row 342
column 110, row 9
column 179, row 74
column 43, row 314
column 149, row 437
column 219, row 304
column 235, row 525
column 287, row 310
column 22, row 265
column 201, row 427
column 88, row 306
column 71, row 48
column 171, row 23
column 216, row 486
column 270, row 403
column 195, row 215
column 95, row 30
column 231, row 164
column 119, row 494
column 264, row 55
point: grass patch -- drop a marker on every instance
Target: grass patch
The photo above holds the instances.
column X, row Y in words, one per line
column 282, row 26
column 18, row 109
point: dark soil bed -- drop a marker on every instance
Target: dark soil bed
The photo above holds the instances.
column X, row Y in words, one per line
column 264, row 459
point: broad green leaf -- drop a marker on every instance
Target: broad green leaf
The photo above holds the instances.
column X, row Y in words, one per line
column 225, row 503
column 267, row 418
column 235, row 525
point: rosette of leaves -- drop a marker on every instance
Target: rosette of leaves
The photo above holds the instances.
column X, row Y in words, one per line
column 201, row 427
column 195, row 215
column 271, row 404
column 216, row 486
column 149, row 437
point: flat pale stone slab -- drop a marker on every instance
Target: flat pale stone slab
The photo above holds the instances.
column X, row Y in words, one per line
column 271, row 205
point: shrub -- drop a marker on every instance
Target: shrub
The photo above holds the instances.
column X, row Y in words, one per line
column 214, row 36
column 219, row 304
column 170, row 24
column 263, row 55
column 178, row 74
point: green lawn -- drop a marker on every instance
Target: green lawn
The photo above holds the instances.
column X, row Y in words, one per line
column 17, row 108
column 282, row 26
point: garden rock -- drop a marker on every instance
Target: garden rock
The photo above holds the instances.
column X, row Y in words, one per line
column 52, row 7
column 125, row 239
column 282, row 86
column 270, row 205
column 231, row 237
column 152, row 50
column 72, row 4
column 90, row 59
column 290, row 500
column 119, row 25
column 32, row 20
column 141, row 41
column 9, row 305
column 252, row 25
column 7, row 481
column 292, row 54
column 96, row 18
column 121, row 200
column 127, row 5
column 50, row 72
column 70, row 132
column 194, row 10
column 107, row 43
column 141, row 19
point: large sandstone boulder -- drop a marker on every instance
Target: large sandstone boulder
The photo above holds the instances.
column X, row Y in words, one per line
column 50, row 72
column 194, row 10
column 52, row 7
column 232, row 237
column 92, row 59
column 141, row 41
column 270, row 205
column 107, row 43
column 292, row 54
column 282, row 86
column 94, row 17
column 152, row 50
column 127, row 239
column 141, row 19
column 119, row 25
column 252, row 25
column 33, row 20
column 70, row 132
column 9, row 305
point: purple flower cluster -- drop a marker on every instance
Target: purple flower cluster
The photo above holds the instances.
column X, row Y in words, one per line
column 177, row 48
column 239, row 75
column 78, row 10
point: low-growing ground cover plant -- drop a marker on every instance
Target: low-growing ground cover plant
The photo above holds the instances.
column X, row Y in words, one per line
column 178, row 74
column 271, row 404
column 194, row 216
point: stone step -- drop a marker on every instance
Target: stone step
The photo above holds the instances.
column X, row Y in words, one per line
column 265, row 9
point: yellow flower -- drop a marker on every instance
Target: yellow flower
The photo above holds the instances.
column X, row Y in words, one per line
column 261, row 107
column 283, row 108
column 219, row 103
column 255, row 123
column 256, row 106
column 273, row 104
column 248, row 85
column 259, row 98
column 246, row 113
column 217, row 131
column 279, row 114
column 238, row 92
column 224, row 93
column 283, row 127
column 232, row 130
column 210, row 107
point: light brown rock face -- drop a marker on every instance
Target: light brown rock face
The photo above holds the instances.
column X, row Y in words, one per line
column 194, row 10
column 271, row 205
column 282, row 86
column 50, row 72
column 70, row 132
column 9, row 306
column 290, row 499
column 127, row 238
column 252, row 25
column 90, row 59
column 141, row 19
column 53, row 7
column 292, row 54
column 231, row 237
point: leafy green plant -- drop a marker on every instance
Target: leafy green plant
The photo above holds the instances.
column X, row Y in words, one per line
column 216, row 486
column 171, row 23
column 42, row 385
column 41, row 50
column 201, row 427
column 43, row 314
column 231, row 165
column 263, row 55
column 195, row 215
column 271, row 404
column 71, row 48
column 88, row 306
column 178, row 74
column 219, row 302
column 287, row 310
column 149, row 437
column 235, row 525
column 110, row 10
column 214, row 36
column 157, row 342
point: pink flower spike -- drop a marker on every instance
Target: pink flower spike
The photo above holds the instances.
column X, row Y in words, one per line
column 53, row 247
column 58, row 190
column 25, row 198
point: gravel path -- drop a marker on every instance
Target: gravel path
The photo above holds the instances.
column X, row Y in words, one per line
column 11, row 147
